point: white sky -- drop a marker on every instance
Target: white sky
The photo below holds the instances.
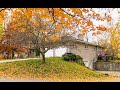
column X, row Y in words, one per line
column 114, row 15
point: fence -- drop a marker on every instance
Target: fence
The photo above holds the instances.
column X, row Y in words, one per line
column 106, row 66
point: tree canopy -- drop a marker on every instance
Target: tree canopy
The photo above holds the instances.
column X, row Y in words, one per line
column 44, row 27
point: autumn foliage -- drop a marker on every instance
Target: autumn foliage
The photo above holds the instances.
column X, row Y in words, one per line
column 43, row 28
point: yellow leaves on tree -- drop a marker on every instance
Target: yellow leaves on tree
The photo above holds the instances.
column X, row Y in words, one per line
column 118, row 55
column 115, row 38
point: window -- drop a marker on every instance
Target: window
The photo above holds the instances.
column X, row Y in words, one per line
column 95, row 47
column 86, row 46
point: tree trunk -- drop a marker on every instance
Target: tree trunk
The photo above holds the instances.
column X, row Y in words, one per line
column 53, row 52
column 43, row 58
column 8, row 56
column 12, row 55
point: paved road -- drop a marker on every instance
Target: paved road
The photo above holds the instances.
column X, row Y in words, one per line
column 114, row 73
column 19, row 80
column 13, row 60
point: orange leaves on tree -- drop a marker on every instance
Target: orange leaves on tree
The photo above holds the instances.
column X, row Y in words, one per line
column 83, row 32
column 41, row 31
column 85, row 10
column 93, row 34
column 97, row 15
column 29, row 14
column 58, row 27
column 89, row 23
column 56, row 11
column 98, row 32
column 22, row 30
column 37, row 23
column 102, row 28
column 73, row 9
column 58, row 30
column 43, row 16
column 55, row 37
column 89, row 15
column 2, row 14
column 80, row 13
column 46, row 40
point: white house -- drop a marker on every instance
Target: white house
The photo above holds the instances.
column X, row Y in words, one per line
column 87, row 51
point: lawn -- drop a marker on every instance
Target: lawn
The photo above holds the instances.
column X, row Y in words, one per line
column 55, row 69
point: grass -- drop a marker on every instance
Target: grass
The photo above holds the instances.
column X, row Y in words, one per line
column 55, row 69
column 114, row 60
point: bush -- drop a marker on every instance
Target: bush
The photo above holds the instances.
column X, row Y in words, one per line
column 78, row 57
column 73, row 57
column 69, row 57
column 37, row 52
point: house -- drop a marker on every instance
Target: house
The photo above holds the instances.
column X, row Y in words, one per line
column 86, row 50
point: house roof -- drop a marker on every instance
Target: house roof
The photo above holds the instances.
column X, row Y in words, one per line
column 88, row 43
column 69, row 39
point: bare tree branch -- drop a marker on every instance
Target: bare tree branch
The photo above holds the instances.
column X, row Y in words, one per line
column 67, row 12
column 2, row 9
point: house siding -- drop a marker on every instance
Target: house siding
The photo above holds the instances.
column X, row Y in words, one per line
column 88, row 54
column 56, row 52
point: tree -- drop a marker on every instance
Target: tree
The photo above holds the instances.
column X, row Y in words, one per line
column 12, row 42
column 41, row 34
column 69, row 17
column 1, row 31
column 46, row 25
column 115, row 39
column 110, row 39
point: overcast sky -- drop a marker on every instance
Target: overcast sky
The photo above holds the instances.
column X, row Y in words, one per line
column 114, row 15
